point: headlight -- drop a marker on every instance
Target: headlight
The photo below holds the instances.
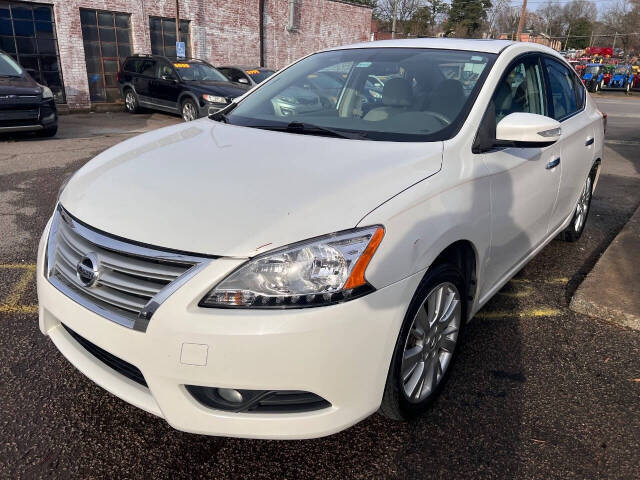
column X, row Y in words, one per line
column 319, row 271
column 214, row 98
column 46, row 92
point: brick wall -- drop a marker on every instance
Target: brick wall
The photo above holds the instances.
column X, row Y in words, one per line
column 222, row 31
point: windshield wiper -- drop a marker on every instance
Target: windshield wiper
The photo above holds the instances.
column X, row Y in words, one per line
column 221, row 115
column 310, row 129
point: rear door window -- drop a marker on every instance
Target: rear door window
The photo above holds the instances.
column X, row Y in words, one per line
column 148, row 68
column 563, row 93
column 132, row 65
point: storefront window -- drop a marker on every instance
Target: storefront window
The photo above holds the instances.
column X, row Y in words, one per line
column 28, row 34
column 163, row 36
column 107, row 42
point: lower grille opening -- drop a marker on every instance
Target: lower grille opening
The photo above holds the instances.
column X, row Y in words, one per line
column 257, row 401
column 124, row 368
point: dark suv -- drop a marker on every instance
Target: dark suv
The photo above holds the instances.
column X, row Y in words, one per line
column 25, row 105
column 189, row 87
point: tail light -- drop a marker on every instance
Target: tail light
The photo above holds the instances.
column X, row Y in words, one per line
column 118, row 76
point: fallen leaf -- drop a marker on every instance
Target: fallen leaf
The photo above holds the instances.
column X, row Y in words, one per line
column 636, row 380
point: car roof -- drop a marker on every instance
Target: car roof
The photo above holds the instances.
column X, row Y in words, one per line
column 245, row 67
column 475, row 45
column 171, row 59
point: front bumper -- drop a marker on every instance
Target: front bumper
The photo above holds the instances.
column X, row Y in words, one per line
column 341, row 353
column 28, row 117
column 211, row 108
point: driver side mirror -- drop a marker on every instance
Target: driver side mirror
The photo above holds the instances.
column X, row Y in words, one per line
column 243, row 80
column 527, row 130
column 522, row 130
column 168, row 78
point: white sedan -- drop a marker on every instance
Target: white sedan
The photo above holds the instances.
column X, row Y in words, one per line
column 286, row 272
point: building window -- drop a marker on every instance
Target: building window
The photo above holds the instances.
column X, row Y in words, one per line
column 107, row 42
column 28, row 34
column 163, row 36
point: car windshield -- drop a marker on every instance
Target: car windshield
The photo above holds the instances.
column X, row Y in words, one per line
column 8, row 67
column 259, row 76
column 592, row 69
column 620, row 70
column 395, row 94
column 199, row 71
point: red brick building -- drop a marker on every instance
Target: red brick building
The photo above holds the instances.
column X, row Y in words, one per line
column 76, row 46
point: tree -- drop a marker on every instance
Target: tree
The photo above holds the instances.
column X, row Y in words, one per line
column 623, row 17
column 581, row 30
column 466, row 17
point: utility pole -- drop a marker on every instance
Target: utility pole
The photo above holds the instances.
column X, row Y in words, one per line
column 567, row 39
column 613, row 47
column 523, row 15
column 177, row 20
column 395, row 14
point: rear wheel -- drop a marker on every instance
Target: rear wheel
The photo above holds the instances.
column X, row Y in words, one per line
column 426, row 346
column 131, row 101
column 189, row 111
column 574, row 230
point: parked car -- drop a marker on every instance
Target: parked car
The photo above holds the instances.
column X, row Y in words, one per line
column 621, row 78
column 189, row 87
column 25, row 105
column 593, row 76
column 607, row 74
column 283, row 275
column 246, row 75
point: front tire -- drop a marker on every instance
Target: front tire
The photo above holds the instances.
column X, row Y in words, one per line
column 189, row 111
column 574, row 230
column 426, row 346
column 131, row 101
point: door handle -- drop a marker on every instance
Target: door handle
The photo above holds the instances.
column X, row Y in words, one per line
column 589, row 141
column 553, row 163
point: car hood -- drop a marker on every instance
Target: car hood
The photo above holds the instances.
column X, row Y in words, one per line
column 218, row 189
column 18, row 86
column 225, row 89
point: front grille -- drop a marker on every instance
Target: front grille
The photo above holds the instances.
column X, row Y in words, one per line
column 124, row 368
column 124, row 282
column 19, row 114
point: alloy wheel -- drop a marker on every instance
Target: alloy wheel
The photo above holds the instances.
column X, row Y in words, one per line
column 189, row 112
column 583, row 206
column 432, row 339
column 130, row 101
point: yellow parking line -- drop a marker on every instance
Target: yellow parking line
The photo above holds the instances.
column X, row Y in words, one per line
column 552, row 281
column 19, row 288
column 530, row 313
column 11, row 303
column 524, row 291
column 18, row 266
column 18, row 308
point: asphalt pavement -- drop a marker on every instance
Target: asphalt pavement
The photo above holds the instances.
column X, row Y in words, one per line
column 538, row 391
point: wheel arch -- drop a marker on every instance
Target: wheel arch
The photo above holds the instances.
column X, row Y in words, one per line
column 464, row 255
column 187, row 95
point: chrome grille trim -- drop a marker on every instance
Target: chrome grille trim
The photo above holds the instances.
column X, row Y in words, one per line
column 133, row 279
